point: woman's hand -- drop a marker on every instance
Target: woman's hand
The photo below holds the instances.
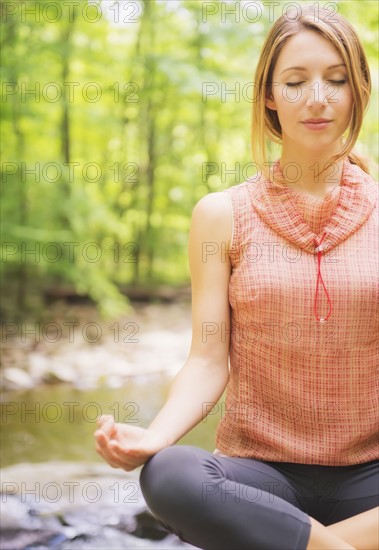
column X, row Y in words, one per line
column 125, row 446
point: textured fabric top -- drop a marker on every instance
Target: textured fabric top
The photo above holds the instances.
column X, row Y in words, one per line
column 301, row 390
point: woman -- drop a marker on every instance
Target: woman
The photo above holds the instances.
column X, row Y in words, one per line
column 289, row 292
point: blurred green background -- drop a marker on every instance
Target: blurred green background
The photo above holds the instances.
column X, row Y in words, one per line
column 117, row 118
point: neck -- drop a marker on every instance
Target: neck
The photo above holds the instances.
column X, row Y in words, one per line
column 302, row 172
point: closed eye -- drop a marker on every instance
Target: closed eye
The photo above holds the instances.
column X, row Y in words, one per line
column 294, row 83
column 338, row 82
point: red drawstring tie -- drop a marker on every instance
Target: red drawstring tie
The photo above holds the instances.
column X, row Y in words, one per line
column 319, row 249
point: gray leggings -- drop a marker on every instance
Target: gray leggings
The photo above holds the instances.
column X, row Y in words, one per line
column 216, row 503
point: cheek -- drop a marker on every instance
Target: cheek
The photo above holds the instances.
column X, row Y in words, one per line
column 287, row 100
column 293, row 96
column 345, row 102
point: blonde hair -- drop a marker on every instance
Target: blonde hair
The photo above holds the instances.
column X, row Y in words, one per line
column 335, row 28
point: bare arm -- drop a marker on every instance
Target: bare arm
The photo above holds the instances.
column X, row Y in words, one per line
column 204, row 375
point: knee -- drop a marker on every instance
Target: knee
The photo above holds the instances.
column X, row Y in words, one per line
column 162, row 469
column 154, row 468
column 166, row 476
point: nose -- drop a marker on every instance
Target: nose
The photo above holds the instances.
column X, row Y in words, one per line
column 318, row 93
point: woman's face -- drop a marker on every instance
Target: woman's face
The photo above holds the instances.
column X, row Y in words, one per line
column 310, row 82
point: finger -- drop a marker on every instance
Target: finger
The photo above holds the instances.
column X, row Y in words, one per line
column 108, row 427
column 127, row 459
column 125, row 454
column 117, row 447
column 101, row 438
column 108, row 456
column 128, row 463
column 104, row 418
column 109, row 461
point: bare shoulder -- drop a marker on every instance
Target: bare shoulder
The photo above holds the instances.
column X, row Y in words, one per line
column 214, row 204
column 213, row 214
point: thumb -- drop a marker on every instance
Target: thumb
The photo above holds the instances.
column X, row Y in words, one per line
column 104, row 418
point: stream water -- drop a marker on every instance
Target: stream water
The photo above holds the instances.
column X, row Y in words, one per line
column 57, row 422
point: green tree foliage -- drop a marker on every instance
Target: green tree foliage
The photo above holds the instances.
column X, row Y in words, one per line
column 117, row 118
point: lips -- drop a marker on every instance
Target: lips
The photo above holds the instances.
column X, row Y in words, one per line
column 317, row 124
column 316, row 120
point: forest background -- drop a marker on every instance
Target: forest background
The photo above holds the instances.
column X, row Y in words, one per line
column 117, row 118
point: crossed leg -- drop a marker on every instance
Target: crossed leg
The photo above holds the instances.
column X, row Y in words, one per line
column 361, row 530
column 223, row 502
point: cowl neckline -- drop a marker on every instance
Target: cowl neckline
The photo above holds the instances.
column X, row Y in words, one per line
column 352, row 205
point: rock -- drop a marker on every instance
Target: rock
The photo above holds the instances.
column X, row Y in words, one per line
column 77, row 505
column 15, row 378
column 21, row 540
column 82, row 495
column 16, row 514
column 38, row 364
column 153, row 338
column 148, row 527
column 60, row 371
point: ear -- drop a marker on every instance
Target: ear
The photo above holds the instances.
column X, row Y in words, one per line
column 270, row 103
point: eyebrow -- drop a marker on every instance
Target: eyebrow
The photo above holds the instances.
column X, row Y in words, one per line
column 304, row 68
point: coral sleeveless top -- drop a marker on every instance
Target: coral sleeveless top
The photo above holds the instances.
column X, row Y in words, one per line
column 304, row 342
